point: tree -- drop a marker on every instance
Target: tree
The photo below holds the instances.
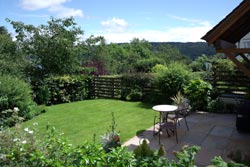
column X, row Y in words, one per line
column 3, row 30
column 168, row 53
column 96, row 56
column 119, row 58
column 11, row 60
column 52, row 49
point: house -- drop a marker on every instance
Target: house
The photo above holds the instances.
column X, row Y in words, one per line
column 244, row 42
column 231, row 36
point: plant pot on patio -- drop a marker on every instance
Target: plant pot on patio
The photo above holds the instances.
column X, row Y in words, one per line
column 243, row 117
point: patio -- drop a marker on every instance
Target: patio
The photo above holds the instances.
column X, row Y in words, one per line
column 215, row 133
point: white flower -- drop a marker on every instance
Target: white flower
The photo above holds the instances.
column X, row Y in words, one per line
column 30, row 131
column 15, row 139
column 21, row 149
column 26, row 129
column 16, row 109
column 2, row 156
column 35, row 123
column 24, row 142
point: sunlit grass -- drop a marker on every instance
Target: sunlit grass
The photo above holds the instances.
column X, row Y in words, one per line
column 79, row 121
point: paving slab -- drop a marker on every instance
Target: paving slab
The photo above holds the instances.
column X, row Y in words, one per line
column 215, row 133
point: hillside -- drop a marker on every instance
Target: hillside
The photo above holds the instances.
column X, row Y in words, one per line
column 190, row 49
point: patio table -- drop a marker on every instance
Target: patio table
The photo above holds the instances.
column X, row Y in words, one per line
column 164, row 111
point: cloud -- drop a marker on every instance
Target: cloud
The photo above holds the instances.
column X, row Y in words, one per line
column 53, row 6
column 172, row 34
column 61, row 11
column 115, row 25
column 40, row 4
column 189, row 20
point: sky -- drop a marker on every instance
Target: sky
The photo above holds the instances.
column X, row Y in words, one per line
column 122, row 20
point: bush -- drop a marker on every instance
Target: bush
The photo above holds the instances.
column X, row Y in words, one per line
column 62, row 89
column 24, row 147
column 198, row 92
column 146, row 65
column 133, row 86
column 15, row 94
column 172, row 80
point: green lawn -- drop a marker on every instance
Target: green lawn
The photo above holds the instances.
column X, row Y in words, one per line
column 79, row 121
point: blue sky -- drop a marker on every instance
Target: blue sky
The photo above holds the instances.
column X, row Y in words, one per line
column 123, row 20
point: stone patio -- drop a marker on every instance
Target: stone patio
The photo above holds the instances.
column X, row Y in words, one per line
column 215, row 133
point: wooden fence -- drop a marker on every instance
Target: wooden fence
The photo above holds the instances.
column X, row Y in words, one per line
column 106, row 87
column 231, row 83
column 110, row 87
column 228, row 84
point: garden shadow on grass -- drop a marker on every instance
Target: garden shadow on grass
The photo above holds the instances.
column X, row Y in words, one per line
column 145, row 105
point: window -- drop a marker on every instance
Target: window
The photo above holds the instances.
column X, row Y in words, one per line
column 246, row 44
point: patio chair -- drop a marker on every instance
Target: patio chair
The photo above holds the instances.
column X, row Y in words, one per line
column 167, row 124
column 183, row 111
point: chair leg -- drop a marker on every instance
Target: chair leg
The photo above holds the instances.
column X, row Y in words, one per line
column 159, row 133
column 176, row 136
column 186, row 123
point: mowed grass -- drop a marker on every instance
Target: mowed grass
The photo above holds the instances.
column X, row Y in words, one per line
column 79, row 121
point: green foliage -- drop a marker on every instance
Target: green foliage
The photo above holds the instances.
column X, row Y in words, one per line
column 24, row 147
column 240, row 157
column 133, row 86
column 10, row 118
column 62, row 89
column 215, row 105
column 135, row 94
column 198, row 92
column 51, row 49
column 15, row 93
column 173, row 80
column 145, row 65
column 159, row 68
column 186, row 156
column 218, row 162
column 11, row 60
column 168, row 53
column 111, row 139
column 41, row 92
column 143, row 150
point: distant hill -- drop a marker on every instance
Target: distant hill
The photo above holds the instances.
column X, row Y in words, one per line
column 190, row 49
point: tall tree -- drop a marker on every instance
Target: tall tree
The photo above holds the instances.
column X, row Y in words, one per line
column 51, row 49
column 96, row 55
column 11, row 60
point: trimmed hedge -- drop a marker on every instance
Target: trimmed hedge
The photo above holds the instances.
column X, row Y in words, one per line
column 63, row 89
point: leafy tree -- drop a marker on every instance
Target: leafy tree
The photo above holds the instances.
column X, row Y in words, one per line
column 168, row 53
column 145, row 65
column 119, row 58
column 3, row 31
column 11, row 60
column 96, row 55
column 51, row 49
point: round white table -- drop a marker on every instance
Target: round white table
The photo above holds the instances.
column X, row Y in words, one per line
column 165, row 108
column 164, row 111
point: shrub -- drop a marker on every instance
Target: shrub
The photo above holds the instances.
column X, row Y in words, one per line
column 173, row 80
column 198, row 92
column 62, row 89
column 15, row 93
column 10, row 118
column 143, row 150
column 133, row 86
column 145, row 65
column 24, row 147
